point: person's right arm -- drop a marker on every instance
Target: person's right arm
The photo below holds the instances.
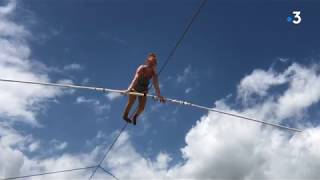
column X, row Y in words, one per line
column 135, row 79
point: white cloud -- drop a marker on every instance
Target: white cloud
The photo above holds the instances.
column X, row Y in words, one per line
column 237, row 149
column 15, row 157
column 259, row 82
column 223, row 147
column 98, row 106
column 58, row 145
column 19, row 102
column 5, row 10
column 163, row 160
column 67, row 81
column 188, row 90
column 127, row 163
column 34, row 146
column 113, row 96
column 73, row 67
column 217, row 146
column 303, row 91
column 17, row 162
column 283, row 60
column 182, row 78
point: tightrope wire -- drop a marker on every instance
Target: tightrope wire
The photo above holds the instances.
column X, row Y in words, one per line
column 48, row 173
column 194, row 16
column 175, row 101
column 107, row 152
column 108, row 173
column 197, row 12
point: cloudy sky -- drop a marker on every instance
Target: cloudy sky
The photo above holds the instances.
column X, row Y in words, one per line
column 239, row 57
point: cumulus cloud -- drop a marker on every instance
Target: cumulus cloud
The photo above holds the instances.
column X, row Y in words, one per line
column 14, row 160
column 127, row 163
column 303, row 89
column 259, row 82
column 304, row 85
column 19, row 102
column 247, row 152
column 236, row 149
column 5, row 10
column 217, row 146
column 223, row 147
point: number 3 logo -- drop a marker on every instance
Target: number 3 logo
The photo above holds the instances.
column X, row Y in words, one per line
column 297, row 17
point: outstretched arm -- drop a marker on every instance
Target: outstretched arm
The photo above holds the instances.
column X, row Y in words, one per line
column 155, row 81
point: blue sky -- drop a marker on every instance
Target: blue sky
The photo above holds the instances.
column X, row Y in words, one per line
column 110, row 39
column 101, row 43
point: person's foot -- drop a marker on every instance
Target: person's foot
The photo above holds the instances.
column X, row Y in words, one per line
column 125, row 117
column 134, row 119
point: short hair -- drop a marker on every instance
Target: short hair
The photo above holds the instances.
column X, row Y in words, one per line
column 152, row 55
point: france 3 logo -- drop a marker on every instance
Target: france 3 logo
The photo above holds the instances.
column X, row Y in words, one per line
column 295, row 18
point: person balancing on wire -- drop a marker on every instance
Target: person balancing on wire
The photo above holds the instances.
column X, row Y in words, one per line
column 140, row 83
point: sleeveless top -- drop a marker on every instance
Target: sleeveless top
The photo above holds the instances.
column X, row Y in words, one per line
column 142, row 84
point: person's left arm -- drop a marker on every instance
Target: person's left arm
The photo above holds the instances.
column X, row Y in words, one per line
column 155, row 81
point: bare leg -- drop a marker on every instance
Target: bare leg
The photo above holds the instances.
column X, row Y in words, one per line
column 142, row 104
column 131, row 100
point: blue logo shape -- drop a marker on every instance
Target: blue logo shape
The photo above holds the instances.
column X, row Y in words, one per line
column 289, row 19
